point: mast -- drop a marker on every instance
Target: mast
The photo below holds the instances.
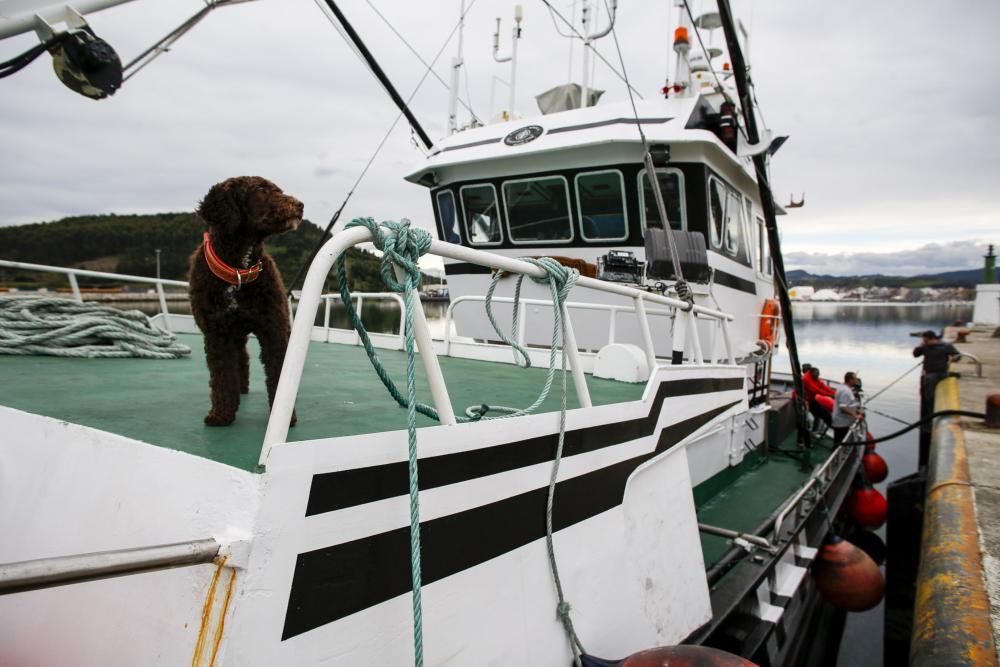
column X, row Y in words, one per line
column 379, row 73
column 767, row 203
column 456, row 67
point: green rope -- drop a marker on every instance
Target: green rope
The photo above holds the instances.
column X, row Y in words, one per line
column 562, row 607
column 402, row 247
column 64, row 328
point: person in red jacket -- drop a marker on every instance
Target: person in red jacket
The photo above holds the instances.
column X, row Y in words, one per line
column 818, row 393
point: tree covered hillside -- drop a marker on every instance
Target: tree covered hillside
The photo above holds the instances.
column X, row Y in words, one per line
column 128, row 243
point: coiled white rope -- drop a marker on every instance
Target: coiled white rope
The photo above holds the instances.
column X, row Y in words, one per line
column 65, row 328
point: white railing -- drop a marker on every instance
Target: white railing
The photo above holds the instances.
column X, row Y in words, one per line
column 312, row 294
column 360, row 297
column 613, row 310
column 72, row 273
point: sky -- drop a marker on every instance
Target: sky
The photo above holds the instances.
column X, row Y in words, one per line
column 889, row 108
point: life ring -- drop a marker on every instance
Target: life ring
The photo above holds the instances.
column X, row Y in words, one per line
column 769, row 321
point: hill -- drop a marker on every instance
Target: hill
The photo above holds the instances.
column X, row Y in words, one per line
column 967, row 278
column 128, row 243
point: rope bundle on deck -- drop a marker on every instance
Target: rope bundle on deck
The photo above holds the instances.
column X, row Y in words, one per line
column 65, row 328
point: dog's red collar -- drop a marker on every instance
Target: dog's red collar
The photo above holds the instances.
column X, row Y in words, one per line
column 227, row 273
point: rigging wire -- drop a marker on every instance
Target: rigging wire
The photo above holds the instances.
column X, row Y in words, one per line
column 680, row 285
column 371, row 160
column 163, row 45
column 423, row 62
column 597, row 53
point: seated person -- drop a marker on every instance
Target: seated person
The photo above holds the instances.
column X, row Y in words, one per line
column 819, row 396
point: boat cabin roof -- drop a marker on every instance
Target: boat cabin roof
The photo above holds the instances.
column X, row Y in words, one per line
column 596, row 135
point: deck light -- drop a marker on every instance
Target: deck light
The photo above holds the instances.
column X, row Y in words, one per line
column 681, row 44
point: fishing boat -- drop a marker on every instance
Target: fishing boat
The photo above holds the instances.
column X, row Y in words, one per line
column 660, row 491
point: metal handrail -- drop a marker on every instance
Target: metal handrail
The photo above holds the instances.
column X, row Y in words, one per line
column 522, row 319
column 32, row 575
column 71, row 274
column 838, row 454
column 975, row 360
column 312, row 291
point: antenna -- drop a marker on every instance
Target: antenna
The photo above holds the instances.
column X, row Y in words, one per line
column 456, row 67
column 512, row 58
column 588, row 40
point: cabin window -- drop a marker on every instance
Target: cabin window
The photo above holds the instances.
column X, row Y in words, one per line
column 481, row 214
column 717, row 211
column 672, row 186
column 446, row 214
column 600, row 197
column 538, row 210
column 735, row 243
column 727, row 221
column 763, row 252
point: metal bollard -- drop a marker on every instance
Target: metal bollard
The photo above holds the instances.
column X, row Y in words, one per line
column 993, row 409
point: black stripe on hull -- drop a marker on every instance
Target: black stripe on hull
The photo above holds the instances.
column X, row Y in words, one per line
column 338, row 490
column 333, row 582
column 735, row 282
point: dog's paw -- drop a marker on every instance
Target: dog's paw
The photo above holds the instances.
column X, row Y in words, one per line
column 293, row 420
column 212, row 419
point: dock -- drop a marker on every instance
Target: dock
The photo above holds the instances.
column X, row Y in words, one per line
column 957, row 606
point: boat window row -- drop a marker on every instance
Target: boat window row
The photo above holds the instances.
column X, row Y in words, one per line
column 542, row 210
column 609, row 206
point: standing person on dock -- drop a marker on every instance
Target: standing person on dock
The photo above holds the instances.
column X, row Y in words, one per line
column 846, row 407
column 936, row 356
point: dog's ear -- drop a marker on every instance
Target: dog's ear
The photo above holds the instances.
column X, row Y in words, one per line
column 221, row 208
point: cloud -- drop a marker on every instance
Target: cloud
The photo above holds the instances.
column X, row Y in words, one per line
column 891, row 144
column 927, row 259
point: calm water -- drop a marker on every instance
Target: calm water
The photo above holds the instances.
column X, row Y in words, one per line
column 871, row 339
column 874, row 341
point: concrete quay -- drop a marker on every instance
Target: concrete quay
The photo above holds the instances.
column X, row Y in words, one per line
column 957, row 610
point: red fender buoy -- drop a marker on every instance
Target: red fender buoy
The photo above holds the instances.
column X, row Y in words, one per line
column 685, row 656
column 876, row 469
column 867, row 506
column 846, row 577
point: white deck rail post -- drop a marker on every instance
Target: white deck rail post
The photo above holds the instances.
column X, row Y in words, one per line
column 73, row 285
column 298, row 342
column 326, row 319
column 579, row 379
column 425, row 343
column 680, row 337
column 729, row 343
column 695, row 340
column 647, row 338
column 163, row 304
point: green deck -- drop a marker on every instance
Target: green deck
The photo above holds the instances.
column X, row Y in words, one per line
column 163, row 402
column 742, row 500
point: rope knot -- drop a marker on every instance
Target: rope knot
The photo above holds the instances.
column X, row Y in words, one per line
column 562, row 610
column 401, row 247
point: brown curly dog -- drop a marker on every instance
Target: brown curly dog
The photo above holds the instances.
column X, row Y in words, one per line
column 236, row 290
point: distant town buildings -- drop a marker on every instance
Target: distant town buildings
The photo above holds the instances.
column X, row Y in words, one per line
column 881, row 294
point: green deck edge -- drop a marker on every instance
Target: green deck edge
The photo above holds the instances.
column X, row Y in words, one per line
column 742, row 496
column 162, row 402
